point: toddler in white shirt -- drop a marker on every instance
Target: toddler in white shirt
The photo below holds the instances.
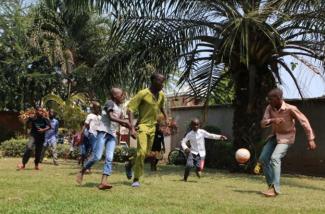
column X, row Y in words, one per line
column 196, row 153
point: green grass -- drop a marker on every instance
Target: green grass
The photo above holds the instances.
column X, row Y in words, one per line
column 53, row 190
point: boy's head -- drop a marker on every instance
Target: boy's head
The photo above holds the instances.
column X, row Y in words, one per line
column 275, row 97
column 52, row 113
column 95, row 107
column 195, row 124
column 38, row 111
column 157, row 81
column 117, row 95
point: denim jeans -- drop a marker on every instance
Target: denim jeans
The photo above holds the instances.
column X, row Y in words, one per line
column 50, row 143
column 104, row 141
column 270, row 159
column 88, row 145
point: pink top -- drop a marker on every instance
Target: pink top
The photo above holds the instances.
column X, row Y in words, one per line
column 285, row 131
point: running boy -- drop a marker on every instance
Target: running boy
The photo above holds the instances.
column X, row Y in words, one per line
column 157, row 147
column 148, row 103
column 89, row 131
column 196, row 154
column 39, row 125
column 111, row 118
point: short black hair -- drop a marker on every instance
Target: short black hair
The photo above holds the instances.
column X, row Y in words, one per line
column 277, row 91
column 155, row 75
column 195, row 120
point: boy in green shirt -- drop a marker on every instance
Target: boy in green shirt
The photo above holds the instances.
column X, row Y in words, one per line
column 148, row 103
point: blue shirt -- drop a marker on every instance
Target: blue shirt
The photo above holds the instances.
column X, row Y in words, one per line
column 53, row 131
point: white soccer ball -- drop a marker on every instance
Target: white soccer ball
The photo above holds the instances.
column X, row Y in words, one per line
column 242, row 155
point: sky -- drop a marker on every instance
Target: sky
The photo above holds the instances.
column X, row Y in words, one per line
column 311, row 84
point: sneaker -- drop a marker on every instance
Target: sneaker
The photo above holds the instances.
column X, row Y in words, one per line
column 56, row 163
column 104, row 186
column 79, row 178
column 37, row 168
column 20, row 166
column 136, row 184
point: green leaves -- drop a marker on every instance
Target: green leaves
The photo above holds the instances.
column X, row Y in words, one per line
column 69, row 110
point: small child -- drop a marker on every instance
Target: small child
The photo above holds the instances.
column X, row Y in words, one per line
column 157, row 146
column 89, row 131
column 196, row 154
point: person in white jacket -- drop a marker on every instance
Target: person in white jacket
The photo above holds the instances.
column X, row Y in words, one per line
column 196, row 153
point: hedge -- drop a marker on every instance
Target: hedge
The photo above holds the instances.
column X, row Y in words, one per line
column 15, row 147
column 219, row 154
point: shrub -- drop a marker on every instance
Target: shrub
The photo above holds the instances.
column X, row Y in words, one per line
column 219, row 154
column 123, row 153
column 13, row 147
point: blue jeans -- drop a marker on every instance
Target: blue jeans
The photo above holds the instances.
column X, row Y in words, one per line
column 88, row 145
column 270, row 159
column 103, row 140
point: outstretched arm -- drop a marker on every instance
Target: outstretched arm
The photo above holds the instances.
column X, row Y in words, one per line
column 213, row 136
column 298, row 115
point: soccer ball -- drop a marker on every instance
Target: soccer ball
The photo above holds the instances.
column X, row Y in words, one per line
column 242, row 155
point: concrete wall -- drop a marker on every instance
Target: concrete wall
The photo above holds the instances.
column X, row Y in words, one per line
column 220, row 116
column 298, row 160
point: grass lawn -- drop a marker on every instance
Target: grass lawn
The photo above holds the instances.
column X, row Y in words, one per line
column 53, row 190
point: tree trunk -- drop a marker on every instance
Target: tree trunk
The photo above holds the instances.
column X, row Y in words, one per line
column 249, row 110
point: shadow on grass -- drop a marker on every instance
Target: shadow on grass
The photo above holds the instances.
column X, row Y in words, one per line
column 123, row 183
column 89, row 185
column 182, row 181
column 248, row 191
column 303, row 185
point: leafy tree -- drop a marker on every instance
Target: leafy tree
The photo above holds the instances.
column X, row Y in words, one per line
column 244, row 40
column 69, row 110
column 25, row 74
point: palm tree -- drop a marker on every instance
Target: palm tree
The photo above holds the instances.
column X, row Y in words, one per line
column 215, row 39
column 69, row 110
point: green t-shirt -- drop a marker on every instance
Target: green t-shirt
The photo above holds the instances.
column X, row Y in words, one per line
column 148, row 107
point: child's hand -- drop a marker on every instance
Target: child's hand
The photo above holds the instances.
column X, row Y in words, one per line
column 311, row 145
column 223, row 137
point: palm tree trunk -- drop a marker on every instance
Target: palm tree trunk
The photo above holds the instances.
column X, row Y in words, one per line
column 248, row 112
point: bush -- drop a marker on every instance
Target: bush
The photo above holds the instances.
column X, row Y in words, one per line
column 63, row 151
column 13, row 147
column 219, row 154
column 123, row 153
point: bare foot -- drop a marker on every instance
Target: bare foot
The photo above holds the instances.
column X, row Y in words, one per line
column 270, row 192
column 20, row 166
column 79, row 178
